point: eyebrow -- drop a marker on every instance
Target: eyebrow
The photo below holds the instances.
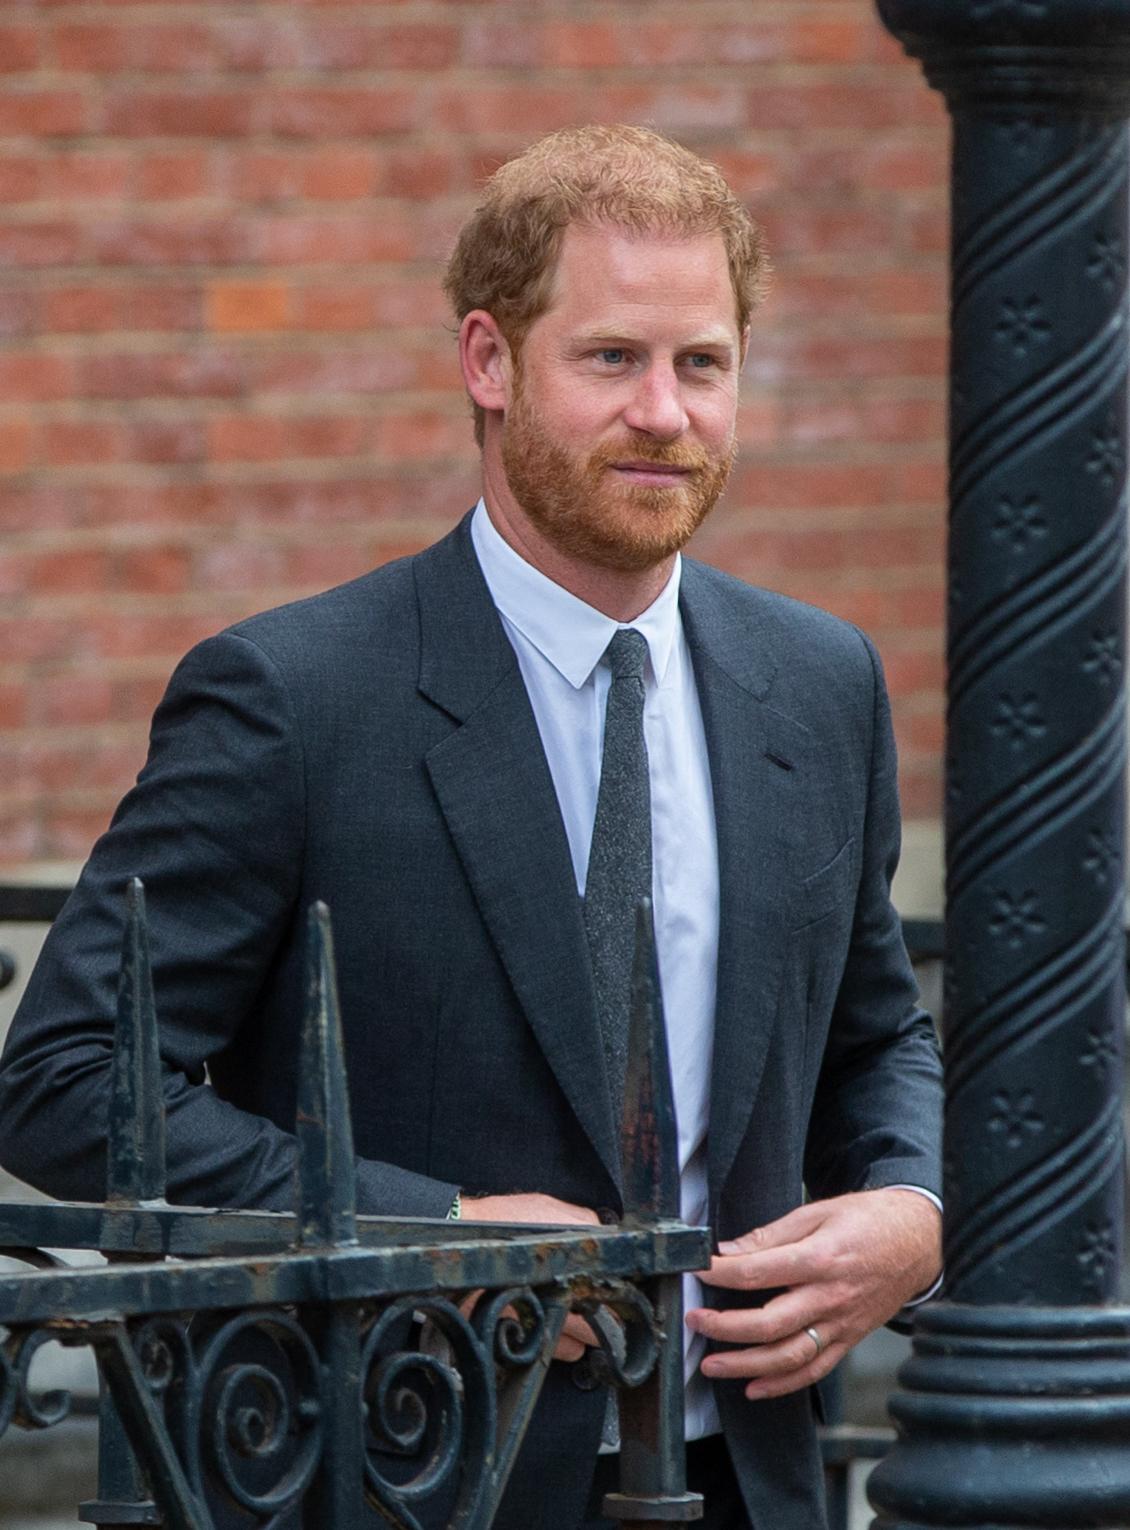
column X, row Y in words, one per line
column 699, row 343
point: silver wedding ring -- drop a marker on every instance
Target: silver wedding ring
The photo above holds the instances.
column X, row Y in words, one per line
column 817, row 1340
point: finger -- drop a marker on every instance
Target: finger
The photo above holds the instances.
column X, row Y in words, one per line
column 780, row 1386
column 796, row 1353
column 793, row 1264
column 785, row 1315
column 578, row 1330
column 799, row 1223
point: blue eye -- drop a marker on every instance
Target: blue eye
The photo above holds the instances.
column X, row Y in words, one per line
column 701, row 360
column 613, row 355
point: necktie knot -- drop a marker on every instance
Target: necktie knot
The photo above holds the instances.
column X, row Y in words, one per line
column 627, row 654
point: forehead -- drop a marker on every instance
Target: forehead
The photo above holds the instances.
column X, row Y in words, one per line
column 610, row 278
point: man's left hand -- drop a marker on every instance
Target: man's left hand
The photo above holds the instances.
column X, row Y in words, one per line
column 847, row 1264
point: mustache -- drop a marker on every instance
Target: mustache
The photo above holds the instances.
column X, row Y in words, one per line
column 643, row 449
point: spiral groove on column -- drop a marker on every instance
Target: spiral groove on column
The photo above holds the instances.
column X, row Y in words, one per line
column 1036, row 712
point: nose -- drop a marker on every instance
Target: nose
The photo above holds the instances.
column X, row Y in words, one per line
column 656, row 405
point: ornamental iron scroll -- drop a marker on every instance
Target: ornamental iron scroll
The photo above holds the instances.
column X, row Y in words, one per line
column 1013, row 1410
column 261, row 1370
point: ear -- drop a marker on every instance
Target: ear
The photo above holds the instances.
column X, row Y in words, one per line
column 484, row 355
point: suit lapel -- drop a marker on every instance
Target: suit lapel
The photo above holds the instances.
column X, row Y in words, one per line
column 755, row 752
column 496, row 794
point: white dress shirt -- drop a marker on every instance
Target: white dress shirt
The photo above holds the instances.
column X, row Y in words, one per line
column 559, row 642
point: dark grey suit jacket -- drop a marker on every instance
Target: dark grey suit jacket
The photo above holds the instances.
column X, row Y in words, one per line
column 375, row 747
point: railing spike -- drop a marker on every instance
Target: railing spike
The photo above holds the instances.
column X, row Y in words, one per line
column 135, row 1161
column 649, row 1140
column 327, row 1189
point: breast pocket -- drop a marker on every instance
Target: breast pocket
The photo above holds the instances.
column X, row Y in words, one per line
column 831, row 890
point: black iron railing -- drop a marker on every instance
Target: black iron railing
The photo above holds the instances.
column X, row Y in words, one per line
column 261, row 1363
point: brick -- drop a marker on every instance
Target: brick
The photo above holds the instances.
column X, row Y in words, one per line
column 827, row 230
column 318, row 565
column 239, row 566
column 795, row 485
column 169, row 241
column 55, row 243
column 69, row 833
column 335, row 307
column 177, row 48
column 247, row 307
column 253, row 44
column 130, row 375
column 421, row 173
column 264, row 175
column 69, row 571
column 255, row 438
column 135, row 697
column 127, row 635
column 326, row 371
column 76, row 696
column 31, row 377
column 20, row 312
column 83, row 176
column 14, row 698
column 855, row 418
column 160, row 440
column 99, row 48
column 518, row 110
column 31, row 638
column 412, row 302
column 165, row 308
column 21, row 836
column 21, row 177
column 19, row 49
column 80, row 310
column 339, row 174
column 156, row 570
column 178, row 113
column 694, row 112
column 419, row 435
column 384, row 235
column 43, row 113
column 39, row 507
column 585, row 45
column 337, row 46
column 15, row 445
column 848, row 103
column 343, row 112
column 67, row 443
column 174, row 175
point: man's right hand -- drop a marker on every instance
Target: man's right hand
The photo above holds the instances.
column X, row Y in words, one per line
column 576, row 1336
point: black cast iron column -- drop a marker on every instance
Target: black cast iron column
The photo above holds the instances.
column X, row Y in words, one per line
column 1015, row 1407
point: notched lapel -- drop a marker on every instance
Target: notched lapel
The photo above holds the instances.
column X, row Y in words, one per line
column 757, row 767
column 495, row 791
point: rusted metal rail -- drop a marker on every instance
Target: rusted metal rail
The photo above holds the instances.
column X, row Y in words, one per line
column 256, row 1366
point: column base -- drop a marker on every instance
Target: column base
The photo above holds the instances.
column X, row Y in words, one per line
column 1010, row 1418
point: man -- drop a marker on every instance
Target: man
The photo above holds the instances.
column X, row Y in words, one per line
column 422, row 748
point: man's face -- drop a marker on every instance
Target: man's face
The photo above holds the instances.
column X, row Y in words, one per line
column 619, row 434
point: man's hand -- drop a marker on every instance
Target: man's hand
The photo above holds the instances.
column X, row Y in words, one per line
column 847, row 1264
column 576, row 1336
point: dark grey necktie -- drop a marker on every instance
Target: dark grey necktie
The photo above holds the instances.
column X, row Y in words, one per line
column 619, row 873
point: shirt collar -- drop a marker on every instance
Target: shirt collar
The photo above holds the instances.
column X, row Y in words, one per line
column 571, row 635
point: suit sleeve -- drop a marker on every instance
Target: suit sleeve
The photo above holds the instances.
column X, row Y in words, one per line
column 877, row 1115
column 215, row 828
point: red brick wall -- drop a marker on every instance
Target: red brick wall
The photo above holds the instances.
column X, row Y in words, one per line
column 225, row 376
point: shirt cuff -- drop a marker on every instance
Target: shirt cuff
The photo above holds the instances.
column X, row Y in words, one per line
column 923, row 1296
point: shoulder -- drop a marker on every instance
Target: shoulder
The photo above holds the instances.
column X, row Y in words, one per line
column 775, row 633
